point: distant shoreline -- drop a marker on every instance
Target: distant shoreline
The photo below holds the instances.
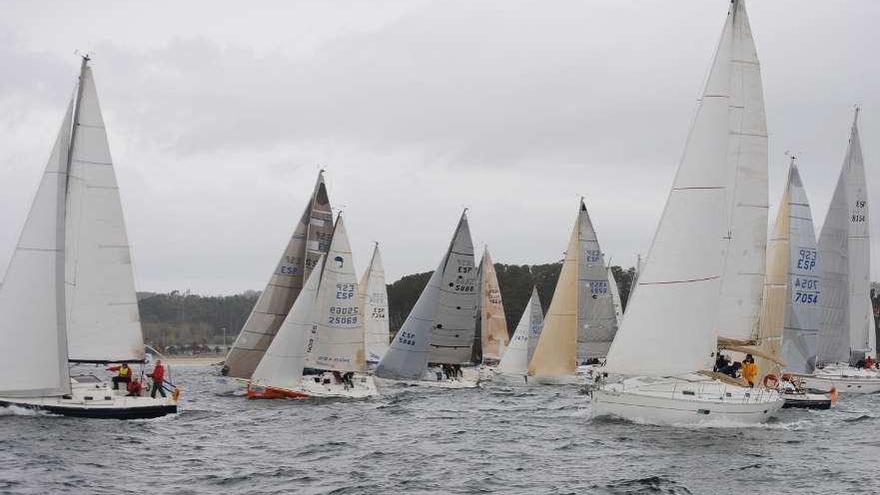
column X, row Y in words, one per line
column 194, row 360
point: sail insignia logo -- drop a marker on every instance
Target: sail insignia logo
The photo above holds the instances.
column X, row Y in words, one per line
column 340, row 260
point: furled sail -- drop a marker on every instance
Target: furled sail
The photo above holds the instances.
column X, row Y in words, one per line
column 373, row 300
column 674, row 313
column 516, row 358
column 33, row 318
column 597, row 322
column 844, row 251
column 556, row 351
column 283, row 362
column 493, row 324
column 454, row 323
column 337, row 339
column 789, row 317
column 310, row 240
column 103, row 319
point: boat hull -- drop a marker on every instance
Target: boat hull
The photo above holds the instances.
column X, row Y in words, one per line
column 319, row 386
column 806, row 401
column 672, row 403
column 138, row 412
column 845, row 380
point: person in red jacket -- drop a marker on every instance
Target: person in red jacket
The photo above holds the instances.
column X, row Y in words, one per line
column 158, row 376
column 134, row 388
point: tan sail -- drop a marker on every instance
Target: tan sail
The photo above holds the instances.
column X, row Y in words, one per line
column 493, row 329
column 556, row 353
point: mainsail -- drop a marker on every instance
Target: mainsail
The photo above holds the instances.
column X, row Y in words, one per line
column 103, row 320
column 337, row 339
column 373, row 299
column 845, row 317
column 674, row 314
column 493, row 324
column 33, row 316
column 790, row 318
column 597, row 322
column 310, row 240
column 283, row 362
column 454, row 323
column 516, row 358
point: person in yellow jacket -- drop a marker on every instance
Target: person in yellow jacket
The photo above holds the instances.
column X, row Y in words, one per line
column 750, row 370
column 123, row 375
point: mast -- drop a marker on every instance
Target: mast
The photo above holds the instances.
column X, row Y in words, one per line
column 76, row 106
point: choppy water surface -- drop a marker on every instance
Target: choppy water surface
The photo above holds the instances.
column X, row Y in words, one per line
column 495, row 439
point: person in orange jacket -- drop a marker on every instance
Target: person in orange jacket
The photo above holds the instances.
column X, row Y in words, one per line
column 158, row 376
column 750, row 370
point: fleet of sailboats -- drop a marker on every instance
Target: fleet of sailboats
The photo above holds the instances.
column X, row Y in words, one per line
column 714, row 284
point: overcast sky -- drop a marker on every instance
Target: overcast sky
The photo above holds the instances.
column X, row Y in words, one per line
column 220, row 115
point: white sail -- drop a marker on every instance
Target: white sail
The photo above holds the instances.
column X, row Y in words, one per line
column 790, row 316
column 597, row 322
column 103, row 318
column 516, row 358
column 747, row 194
column 373, row 298
column 407, row 357
column 454, row 322
column 493, row 324
column 337, row 340
column 844, row 250
column 615, row 295
column 537, row 324
column 311, row 239
column 283, row 362
column 670, row 323
column 33, row 357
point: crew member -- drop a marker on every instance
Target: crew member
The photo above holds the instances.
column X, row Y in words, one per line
column 750, row 370
column 134, row 388
column 158, row 376
column 123, row 374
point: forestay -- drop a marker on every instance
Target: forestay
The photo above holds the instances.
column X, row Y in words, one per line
column 493, row 324
column 789, row 318
column 454, row 323
column 373, row 298
column 103, row 318
column 670, row 322
column 516, row 358
column 283, row 362
column 337, row 339
column 597, row 322
column 310, row 240
column 33, row 357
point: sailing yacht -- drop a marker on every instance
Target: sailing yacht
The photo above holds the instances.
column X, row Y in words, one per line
column 703, row 278
column 68, row 296
column 437, row 336
column 319, row 350
column 789, row 325
column 310, row 240
column 373, row 300
column 846, row 321
column 491, row 338
column 581, row 321
column 514, row 364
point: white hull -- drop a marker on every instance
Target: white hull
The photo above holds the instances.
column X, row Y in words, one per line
column 845, row 379
column 323, row 386
column 97, row 399
column 686, row 401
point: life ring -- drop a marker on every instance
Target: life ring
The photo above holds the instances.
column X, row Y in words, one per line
column 771, row 378
column 787, row 377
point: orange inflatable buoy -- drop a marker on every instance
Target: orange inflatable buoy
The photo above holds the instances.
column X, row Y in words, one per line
column 833, row 394
column 771, row 378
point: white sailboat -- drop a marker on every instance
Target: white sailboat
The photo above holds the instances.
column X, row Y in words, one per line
column 491, row 338
column 68, row 295
column 698, row 283
column 846, row 321
column 373, row 299
column 789, row 325
column 310, row 239
column 514, row 364
column 440, row 328
column 323, row 334
column 581, row 321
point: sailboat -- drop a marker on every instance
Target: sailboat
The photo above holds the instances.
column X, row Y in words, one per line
column 514, row 363
column 311, row 239
column 790, row 313
column 491, row 338
column 323, row 333
column 436, row 337
column 68, row 296
column 846, row 321
column 699, row 280
column 581, row 322
column 373, row 300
